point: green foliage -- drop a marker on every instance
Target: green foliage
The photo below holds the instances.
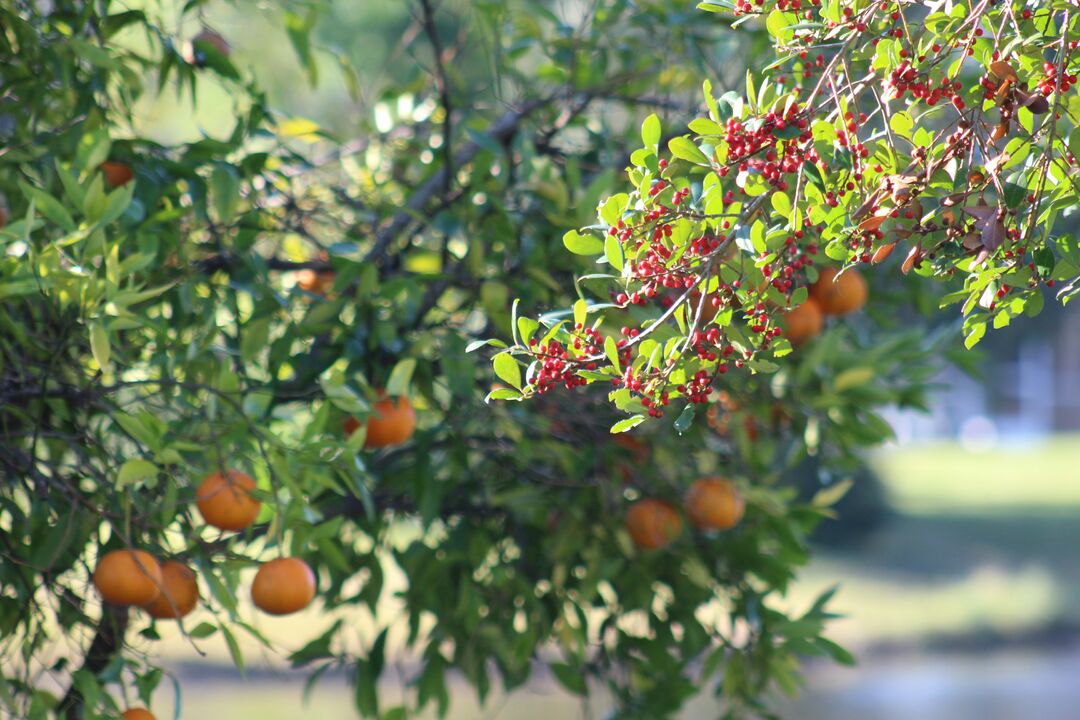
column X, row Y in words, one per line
column 242, row 296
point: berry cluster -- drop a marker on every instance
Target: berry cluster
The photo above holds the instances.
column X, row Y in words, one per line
column 1052, row 82
column 906, row 79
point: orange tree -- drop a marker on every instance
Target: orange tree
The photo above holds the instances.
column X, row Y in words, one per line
column 235, row 368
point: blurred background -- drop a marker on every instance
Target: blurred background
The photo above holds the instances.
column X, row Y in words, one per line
column 956, row 552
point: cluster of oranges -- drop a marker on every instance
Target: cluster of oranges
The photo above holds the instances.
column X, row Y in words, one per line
column 170, row 590
column 711, row 503
column 834, row 293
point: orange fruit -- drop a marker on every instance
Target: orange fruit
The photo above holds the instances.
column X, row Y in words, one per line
column 138, row 714
column 179, row 592
column 839, row 294
column 803, row 322
column 653, row 524
column 392, row 423
column 316, row 283
column 128, row 577
column 714, row 504
column 116, row 173
column 227, row 503
column 283, row 586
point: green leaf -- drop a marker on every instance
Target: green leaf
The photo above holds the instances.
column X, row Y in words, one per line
column 477, row 344
column 829, row 496
column 224, row 192
column 627, row 424
column 650, row 131
column 611, row 350
column 581, row 311
column 901, row 123
column 234, row 648
column 93, row 149
column 503, row 394
column 49, row 206
column 400, row 377
column 685, row 419
column 135, row 471
column 685, row 149
column 571, row 679
column 781, row 204
column 99, row 345
column 202, row 631
column 1074, row 142
column 613, row 252
column 853, row 377
column 580, row 244
column 507, row 369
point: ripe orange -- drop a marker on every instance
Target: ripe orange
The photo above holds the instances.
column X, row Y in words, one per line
column 128, row 577
column 316, row 283
column 283, row 586
column 138, row 714
column 227, row 503
column 714, row 504
column 179, row 592
column 839, row 294
column 653, row 524
column 116, row 173
column 803, row 322
column 392, row 423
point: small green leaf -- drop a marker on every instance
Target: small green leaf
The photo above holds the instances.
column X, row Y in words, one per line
column 99, row 345
column 611, row 350
column 627, row 424
column 571, row 679
column 135, row 471
column 685, row 419
column 580, row 244
column 581, row 310
column 507, row 369
column 650, row 131
column 685, row 149
column 853, row 377
column 224, row 192
column 400, row 376
column 829, row 496
column 781, row 204
column 613, row 252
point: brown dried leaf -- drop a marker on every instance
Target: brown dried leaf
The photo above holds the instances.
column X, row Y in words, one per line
column 874, row 221
column 882, row 253
column 1035, row 102
column 913, row 259
column 988, row 223
column 973, row 241
column 1004, row 71
column 867, row 205
column 993, row 235
column 1000, row 131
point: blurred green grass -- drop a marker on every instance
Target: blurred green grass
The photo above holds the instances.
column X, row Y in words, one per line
column 944, row 478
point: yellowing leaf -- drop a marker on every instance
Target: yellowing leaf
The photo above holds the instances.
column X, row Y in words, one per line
column 99, row 345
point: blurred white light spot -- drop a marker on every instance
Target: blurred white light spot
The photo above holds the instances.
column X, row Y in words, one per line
column 978, row 434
